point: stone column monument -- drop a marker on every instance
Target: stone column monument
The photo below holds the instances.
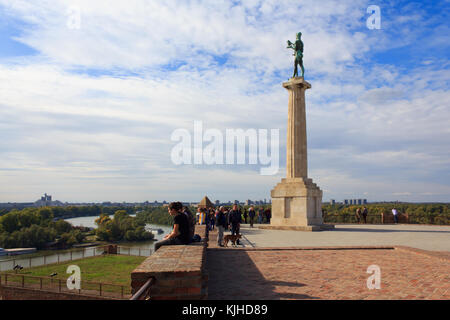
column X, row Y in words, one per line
column 296, row 200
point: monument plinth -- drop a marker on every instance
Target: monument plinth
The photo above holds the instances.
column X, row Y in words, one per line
column 296, row 200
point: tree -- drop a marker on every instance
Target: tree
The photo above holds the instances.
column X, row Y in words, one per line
column 46, row 214
column 62, row 226
column 10, row 221
column 100, row 221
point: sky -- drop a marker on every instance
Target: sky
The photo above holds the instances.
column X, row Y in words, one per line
column 91, row 92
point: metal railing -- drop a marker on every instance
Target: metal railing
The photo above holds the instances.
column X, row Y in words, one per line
column 434, row 219
column 351, row 218
column 132, row 251
column 37, row 261
column 144, row 292
column 8, row 265
column 58, row 285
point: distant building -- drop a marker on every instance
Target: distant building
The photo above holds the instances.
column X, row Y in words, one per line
column 360, row 201
column 364, row 201
column 346, row 201
column 332, row 202
column 46, row 200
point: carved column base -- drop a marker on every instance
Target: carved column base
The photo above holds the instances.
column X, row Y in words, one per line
column 297, row 205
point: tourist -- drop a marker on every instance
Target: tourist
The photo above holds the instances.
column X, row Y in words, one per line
column 268, row 215
column 197, row 216
column 220, row 224
column 358, row 215
column 207, row 222
column 245, row 215
column 191, row 220
column 260, row 215
column 212, row 219
column 364, row 215
column 235, row 219
column 395, row 213
column 227, row 218
column 201, row 216
column 251, row 214
column 180, row 232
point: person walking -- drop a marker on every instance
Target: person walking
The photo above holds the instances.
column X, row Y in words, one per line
column 220, row 224
column 358, row 215
column 207, row 221
column 235, row 219
column 260, row 215
column 251, row 214
column 227, row 219
column 364, row 215
column 245, row 216
column 268, row 215
column 212, row 219
column 395, row 213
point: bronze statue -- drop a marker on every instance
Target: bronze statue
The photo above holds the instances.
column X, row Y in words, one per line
column 298, row 53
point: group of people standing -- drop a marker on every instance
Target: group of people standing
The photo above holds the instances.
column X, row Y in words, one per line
column 230, row 219
column 224, row 219
column 208, row 216
column 184, row 222
column 362, row 214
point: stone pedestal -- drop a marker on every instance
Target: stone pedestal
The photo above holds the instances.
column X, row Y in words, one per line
column 296, row 200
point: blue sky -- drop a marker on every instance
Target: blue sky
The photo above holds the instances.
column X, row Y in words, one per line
column 86, row 113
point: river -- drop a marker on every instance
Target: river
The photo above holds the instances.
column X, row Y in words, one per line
column 90, row 222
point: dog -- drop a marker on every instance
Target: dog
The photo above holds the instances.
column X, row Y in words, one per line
column 232, row 238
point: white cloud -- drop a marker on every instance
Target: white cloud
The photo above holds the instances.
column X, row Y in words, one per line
column 91, row 115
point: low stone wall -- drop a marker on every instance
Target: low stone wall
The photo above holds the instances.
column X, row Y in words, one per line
column 179, row 271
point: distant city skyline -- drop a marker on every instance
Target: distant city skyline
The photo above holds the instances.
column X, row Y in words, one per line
column 47, row 199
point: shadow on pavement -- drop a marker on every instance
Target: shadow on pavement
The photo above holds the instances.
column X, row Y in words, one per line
column 234, row 276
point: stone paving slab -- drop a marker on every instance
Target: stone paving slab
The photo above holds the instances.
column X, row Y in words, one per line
column 425, row 237
column 325, row 273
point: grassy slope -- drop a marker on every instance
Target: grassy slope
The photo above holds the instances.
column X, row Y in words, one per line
column 114, row 269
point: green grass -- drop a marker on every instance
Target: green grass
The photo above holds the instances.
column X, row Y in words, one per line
column 113, row 269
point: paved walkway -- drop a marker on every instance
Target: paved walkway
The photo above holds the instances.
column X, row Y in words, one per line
column 434, row 238
column 249, row 272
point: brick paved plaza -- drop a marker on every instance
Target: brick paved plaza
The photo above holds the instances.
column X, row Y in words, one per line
column 293, row 273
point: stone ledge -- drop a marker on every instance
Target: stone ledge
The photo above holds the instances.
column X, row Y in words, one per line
column 299, row 228
column 312, row 248
column 442, row 255
column 179, row 270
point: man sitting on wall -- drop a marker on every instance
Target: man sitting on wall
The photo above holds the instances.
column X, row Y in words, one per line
column 180, row 232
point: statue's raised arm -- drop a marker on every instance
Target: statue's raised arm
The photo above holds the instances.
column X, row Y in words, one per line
column 298, row 53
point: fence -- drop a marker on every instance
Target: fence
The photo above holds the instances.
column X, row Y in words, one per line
column 435, row 219
column 60, row 285
column 351, row 218
column 133, row 251
column 7, row 265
